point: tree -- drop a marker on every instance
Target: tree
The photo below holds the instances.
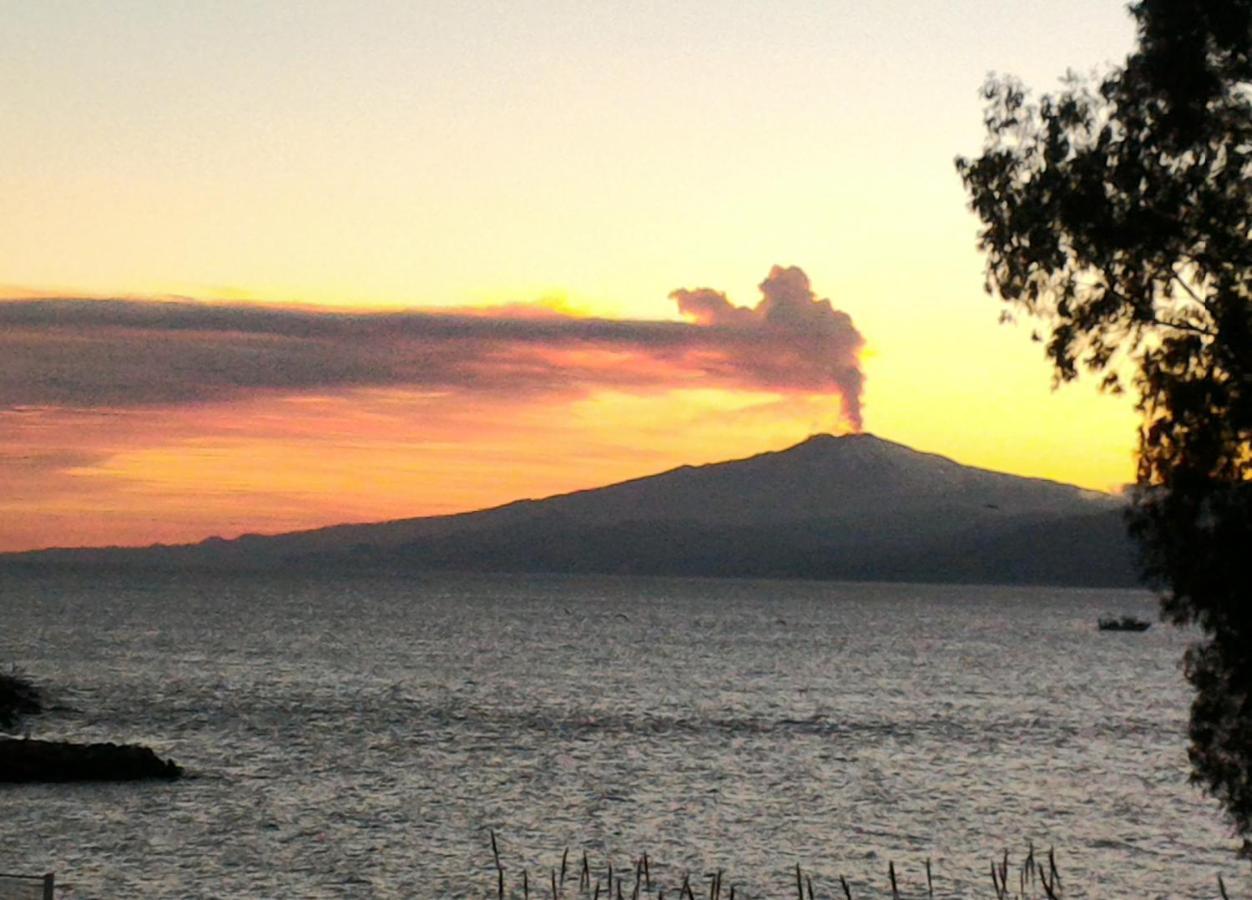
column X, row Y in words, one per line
column 1118, row 212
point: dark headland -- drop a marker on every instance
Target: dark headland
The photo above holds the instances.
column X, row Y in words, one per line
column 25, row 760
column 52, row 761
column 854, row 507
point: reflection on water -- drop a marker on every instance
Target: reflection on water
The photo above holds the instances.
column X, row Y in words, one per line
column 357, row 738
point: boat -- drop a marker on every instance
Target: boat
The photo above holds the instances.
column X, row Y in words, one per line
column 1125, row 623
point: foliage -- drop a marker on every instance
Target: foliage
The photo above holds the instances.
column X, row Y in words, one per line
column 18, row 697
column 1118, row 211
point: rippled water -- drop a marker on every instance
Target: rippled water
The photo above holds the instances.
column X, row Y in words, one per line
column 356, row 738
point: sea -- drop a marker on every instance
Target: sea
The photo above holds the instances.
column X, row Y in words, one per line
column 367, row 736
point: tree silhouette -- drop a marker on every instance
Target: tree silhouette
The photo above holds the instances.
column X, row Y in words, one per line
column 1118, row 211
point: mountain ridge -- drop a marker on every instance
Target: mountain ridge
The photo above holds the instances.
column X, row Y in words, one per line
column 853, row 506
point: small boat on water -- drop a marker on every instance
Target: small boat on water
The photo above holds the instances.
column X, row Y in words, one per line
column 1125, row 623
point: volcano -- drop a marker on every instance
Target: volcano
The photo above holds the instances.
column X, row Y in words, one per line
column 852, row 507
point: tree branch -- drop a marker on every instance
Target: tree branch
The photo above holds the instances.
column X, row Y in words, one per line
column 1186, row 287
column 1182, row 326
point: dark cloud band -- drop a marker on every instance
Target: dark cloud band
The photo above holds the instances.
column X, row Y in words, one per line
column 126, row 353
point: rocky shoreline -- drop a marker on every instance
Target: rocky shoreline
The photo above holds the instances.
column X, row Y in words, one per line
column 26, row 761
column 36, row 761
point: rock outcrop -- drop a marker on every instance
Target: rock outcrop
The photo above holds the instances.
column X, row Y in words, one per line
column 48, row 761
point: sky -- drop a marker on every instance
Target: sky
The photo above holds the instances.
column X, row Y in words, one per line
column 272, row 266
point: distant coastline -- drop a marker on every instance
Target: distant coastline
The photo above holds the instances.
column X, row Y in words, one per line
column 855, row 508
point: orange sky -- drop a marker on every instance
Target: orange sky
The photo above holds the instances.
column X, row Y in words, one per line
column 133, row 421
column 554, row 171
column 130, row 421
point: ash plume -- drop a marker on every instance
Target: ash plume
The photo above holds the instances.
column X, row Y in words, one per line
column 813, row 341
column 91, row 354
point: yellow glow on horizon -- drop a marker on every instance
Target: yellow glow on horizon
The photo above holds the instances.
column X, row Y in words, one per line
column 282, row 464
column 294, row 463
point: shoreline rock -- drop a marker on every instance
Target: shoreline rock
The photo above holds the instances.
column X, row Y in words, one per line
column 28, row 761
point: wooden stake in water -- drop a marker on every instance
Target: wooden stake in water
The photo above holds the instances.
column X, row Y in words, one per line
column 847, row 892
column 799, row 883
column 995, row 881
column 930, row 885
column 1047, row 884
column 891, row 871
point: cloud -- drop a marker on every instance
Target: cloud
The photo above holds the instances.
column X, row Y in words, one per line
column 89, row 354
column 815, row 343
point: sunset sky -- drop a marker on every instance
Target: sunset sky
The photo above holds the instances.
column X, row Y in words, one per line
column 270, row 266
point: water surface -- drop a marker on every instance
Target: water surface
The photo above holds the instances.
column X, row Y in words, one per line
column 357, row 737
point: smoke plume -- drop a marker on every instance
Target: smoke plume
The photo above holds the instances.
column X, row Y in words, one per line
column 78, row 353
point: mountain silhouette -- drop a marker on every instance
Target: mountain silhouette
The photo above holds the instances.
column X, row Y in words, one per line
column 852, row 507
